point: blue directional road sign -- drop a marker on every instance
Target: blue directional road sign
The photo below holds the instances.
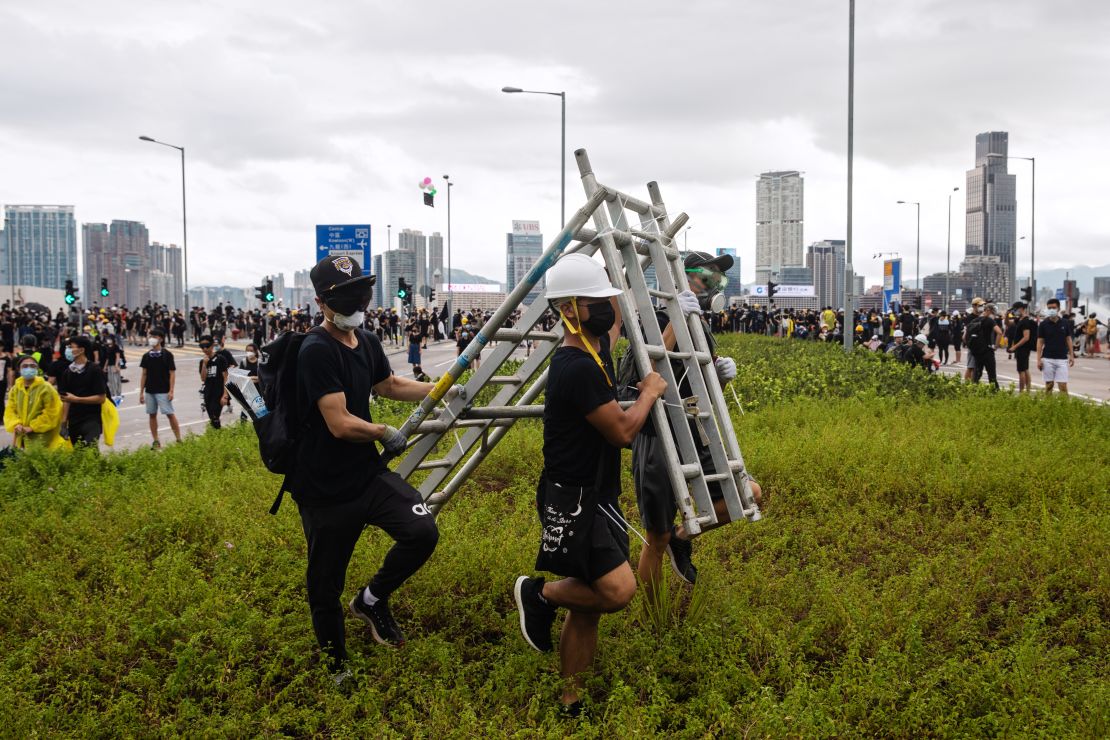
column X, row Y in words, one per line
column 1059, row 294
column 344, row 240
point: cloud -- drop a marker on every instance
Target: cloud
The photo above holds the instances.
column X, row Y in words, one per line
column 292, row 118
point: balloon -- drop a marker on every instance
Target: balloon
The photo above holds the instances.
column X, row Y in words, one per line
column 427, row 181
column 432, row 191
column 421, row 186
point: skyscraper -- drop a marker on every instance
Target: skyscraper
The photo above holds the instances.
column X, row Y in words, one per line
column 827, row 260
column 778, row 222
column 991, row 220
column 40, row 245
column 416, row 243
column 523, row 248
column 435, row 260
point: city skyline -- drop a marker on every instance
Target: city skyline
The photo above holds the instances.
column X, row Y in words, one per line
column 264, row 168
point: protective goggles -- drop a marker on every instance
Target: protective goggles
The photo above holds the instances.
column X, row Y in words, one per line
column 713, row 279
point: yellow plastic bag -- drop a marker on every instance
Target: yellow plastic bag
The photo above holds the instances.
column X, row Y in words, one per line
column 109, row 420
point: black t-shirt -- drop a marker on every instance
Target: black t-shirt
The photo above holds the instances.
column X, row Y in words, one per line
column 214, row 374
column 331, row 470
column 574, row 451
column 109, row 353
column 916, row 355
column 158, row 367
column 1056, row 335
column 88, row 382
column 1026, row 322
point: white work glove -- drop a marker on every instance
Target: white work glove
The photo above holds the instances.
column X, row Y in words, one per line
column 726, row 369
column 393, row 441
column 455, row 391
column 688, row 303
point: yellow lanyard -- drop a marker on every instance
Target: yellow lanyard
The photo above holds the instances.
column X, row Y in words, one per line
column 585, row 341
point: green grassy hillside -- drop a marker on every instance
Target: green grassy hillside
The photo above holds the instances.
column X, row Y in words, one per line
column 932, row 562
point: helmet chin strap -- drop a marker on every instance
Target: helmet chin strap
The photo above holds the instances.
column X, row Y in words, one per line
column 585, row 340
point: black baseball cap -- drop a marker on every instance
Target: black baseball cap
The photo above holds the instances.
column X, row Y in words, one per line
column 722, row 262
column 1019, row 304
column 336, row 272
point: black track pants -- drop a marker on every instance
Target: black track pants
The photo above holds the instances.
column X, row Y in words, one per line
column 388, row 503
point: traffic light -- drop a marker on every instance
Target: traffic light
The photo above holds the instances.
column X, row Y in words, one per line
column 1027, row 293
column 269, row 295
column 71, row 293
column 104, row 287
column 260, row 293
column 772, row 288
column 402, row 290
column 431, row 296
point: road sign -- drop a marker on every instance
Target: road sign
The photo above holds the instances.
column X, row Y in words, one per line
column 1059, row 294
column 892, row 283
column 349, row 240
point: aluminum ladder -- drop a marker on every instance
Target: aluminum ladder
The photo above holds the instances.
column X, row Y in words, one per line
column 626, row 251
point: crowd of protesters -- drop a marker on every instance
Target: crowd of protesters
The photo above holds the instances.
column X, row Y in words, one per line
column 935, row 337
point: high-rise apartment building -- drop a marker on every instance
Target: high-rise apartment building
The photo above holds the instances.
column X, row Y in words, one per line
column 778, row 223
column 991, row 220
column 39, row 246
column 416, row 243
column 991, row 277
column 1102, row 288
column 826, row 258
column 437, row 271
column 138, row 271
column 523, row 247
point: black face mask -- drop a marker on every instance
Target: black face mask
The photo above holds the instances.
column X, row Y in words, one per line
column 602, row 318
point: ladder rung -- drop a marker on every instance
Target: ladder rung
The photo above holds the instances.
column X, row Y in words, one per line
column 483, row 422
column 432, row 427
column 516, row 335
column 436, row 498
column 660, row 294
column 506, row 379
column 433, row 464
column 504, row 412
column 714, row 477
column 693, row 470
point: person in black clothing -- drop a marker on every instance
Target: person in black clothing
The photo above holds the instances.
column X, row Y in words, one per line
column 941, row 337
column 1055, row 350
column 213, row 378
column 157, row 383
column 82, row 389
column 983, row 334
column 584, row 429
column 1022, row 342
column 340, row 482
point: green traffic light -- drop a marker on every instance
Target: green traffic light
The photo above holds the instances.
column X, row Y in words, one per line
column 269, row 297
column 104, row 292
column 70, row 299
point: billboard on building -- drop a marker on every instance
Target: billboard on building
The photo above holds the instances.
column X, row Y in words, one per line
column 526, row 228
column 785, row 291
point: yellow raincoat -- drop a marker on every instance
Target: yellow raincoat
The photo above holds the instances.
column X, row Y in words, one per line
column 38, row 407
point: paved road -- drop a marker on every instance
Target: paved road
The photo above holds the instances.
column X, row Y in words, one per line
column 1090, row 378
column 134, row 431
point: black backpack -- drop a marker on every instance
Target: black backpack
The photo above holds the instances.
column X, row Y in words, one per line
column 279, row 431
column 978, row 339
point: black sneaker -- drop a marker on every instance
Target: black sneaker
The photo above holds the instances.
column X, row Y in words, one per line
column 536, row 615
column 680, row 552
column 382, row 625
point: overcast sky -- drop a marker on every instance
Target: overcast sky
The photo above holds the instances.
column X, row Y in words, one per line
column 295, row 114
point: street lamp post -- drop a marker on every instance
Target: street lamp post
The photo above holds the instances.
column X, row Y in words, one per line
column 686, row 239
column 562, row 148
column 849, row 319
column 918, row 268
column 948, row 259
column 450, row 278
column 184, row 224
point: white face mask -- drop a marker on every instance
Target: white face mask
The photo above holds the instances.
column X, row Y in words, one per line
column 347, row 322
column 1052, row 312
column 153, row 341
column 251, row 356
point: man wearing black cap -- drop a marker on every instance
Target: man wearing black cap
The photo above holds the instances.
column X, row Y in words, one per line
column 340, row 483
column 705, row 274
column 82, row 389
column 1024, row 341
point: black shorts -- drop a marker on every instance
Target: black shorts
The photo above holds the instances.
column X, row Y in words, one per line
column 653, row 486
column 609, row 540
column 1022, row 361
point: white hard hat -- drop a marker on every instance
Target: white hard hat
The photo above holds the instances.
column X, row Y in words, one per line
column 577, row 275
column 898, row 333
column 921, row 338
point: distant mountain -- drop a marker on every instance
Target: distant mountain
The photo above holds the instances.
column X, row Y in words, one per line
column 462, row 276
column 1083, row 275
